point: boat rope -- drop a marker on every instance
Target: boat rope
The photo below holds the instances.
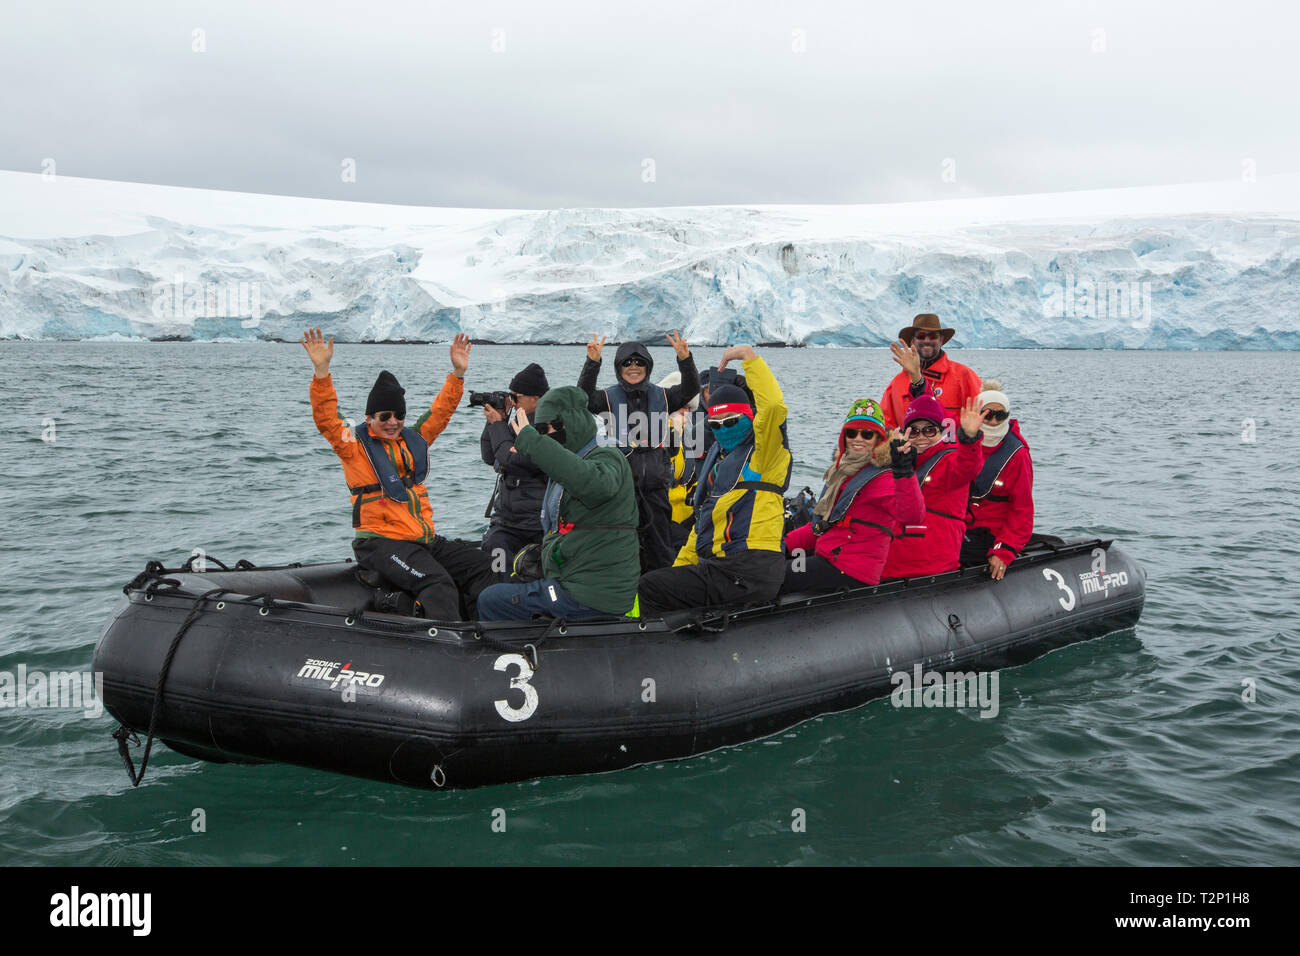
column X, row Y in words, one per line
column 123, row 733
column 533, row 645
column 189, row 564
column 708, row 628
column 151, row 570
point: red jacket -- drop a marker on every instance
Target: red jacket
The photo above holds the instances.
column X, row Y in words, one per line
column 951, row 383
column 1008, row 508
column 858, row 549
column 934, row 547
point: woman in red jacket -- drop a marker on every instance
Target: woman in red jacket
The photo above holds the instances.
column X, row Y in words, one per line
column 870, row 494
column 1001, row 513
column 944, row 470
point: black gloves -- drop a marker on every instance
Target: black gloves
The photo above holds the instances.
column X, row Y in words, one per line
column 902, row 463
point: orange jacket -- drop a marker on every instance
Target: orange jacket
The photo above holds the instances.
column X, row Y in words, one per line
column 381, row 517
column 951, row 383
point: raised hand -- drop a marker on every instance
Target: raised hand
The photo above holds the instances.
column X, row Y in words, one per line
column 905, row 355
column 902, row 459
column 679, row 345
column 742, row 352
column 521, row 420
column 594, row 347
column 318, row 350
column 460, row 346
column 971, row 418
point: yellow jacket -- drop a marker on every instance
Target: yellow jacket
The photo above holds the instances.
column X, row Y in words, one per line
column 739, row 503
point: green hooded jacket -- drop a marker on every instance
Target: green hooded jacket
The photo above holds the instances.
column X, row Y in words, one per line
column 598, row 566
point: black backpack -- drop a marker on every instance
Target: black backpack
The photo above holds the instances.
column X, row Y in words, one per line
column 799, row 509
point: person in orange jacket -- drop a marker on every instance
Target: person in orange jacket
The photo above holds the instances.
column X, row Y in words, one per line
column 385, row 464
column 927, row 370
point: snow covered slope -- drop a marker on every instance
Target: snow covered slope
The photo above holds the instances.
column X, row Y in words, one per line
column 1195, row 266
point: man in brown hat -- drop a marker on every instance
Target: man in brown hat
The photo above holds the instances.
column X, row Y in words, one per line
column 927, row 369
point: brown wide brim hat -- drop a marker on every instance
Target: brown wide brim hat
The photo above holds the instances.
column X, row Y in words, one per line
column 926, row 322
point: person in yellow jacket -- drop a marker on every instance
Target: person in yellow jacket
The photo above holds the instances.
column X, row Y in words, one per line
column 733, row 554
column 385, row 464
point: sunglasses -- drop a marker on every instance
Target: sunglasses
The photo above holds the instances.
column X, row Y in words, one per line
column 514, row 397
column 639, row 363
column 926, row 336
column 550, row 428
column 717, row 424
column 929, row 431
column 855, row 432
column 996, row 416
column 385, row 416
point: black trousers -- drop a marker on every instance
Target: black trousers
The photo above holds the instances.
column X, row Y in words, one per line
column 751, row 577
column 510, row 541
column 445, row 575
column 975, row 547
column 818, row 576
column 655, row 520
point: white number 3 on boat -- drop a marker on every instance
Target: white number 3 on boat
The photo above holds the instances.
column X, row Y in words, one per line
column 1066, row 602
column 519, row 682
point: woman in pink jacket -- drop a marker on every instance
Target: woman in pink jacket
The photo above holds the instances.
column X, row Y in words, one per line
column 944, row 470
column 1000, row 520
column 870, row 493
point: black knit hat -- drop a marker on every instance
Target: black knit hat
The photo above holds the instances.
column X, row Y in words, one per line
column 531, row 381
column 728, row 395
column 387, row 395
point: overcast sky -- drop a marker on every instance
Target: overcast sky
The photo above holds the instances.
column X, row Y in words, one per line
column 537, row 104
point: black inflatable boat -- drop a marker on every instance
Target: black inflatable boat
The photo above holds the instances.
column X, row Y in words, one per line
column 286, row 664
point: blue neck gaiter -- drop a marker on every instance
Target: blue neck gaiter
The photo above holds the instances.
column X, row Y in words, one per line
column 729, row 438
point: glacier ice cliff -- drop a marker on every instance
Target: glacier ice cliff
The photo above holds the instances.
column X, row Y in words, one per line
column 798, row 275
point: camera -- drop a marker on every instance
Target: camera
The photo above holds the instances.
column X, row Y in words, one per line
column 497, row 400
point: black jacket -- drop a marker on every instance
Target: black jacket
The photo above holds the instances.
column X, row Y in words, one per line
column 651, row 467
column 522, row 484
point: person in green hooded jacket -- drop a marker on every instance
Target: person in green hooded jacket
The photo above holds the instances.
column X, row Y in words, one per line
column 590, row 551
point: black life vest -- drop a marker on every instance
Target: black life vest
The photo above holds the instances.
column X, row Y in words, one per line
column 730, row 473
column 993, row 465
column 651, row 431
column 924, row 470
column 393, row 485
column 717, row 478
column 865, row 476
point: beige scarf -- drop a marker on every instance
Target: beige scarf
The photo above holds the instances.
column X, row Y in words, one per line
column 838, row 473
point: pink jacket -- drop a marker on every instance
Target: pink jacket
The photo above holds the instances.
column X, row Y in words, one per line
column 1008, row 509
column 858, row 543
column 934, row 546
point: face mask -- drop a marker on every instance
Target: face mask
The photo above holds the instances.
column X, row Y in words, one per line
column 558, row 434
column 993, row 434
column 729, row 438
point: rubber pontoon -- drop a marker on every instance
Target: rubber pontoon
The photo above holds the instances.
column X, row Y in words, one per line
column 254, row 665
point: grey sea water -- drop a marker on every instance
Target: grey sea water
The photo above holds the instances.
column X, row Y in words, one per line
column 162, row 448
